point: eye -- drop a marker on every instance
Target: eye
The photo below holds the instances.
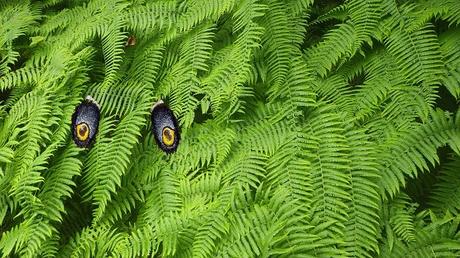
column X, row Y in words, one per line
column 164, row 127
column 82, row 131
column 85, row 122
column 168, row 136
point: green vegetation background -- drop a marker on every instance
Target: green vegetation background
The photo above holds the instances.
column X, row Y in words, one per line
column 309, row 128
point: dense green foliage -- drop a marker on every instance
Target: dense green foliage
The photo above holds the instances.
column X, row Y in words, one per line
column 309, row 128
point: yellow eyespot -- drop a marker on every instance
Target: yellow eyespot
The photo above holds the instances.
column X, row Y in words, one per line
column 168, row 136
column 82, row 131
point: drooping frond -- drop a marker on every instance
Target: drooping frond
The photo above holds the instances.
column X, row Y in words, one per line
column 438, row 238
column 106, row 166
column 417, row 152
column 417, row 54
column 362, row 226
column 16, row 18
column 153, row 16
column 446, row 192
column 346, row 38
column 450, row 42
column 328, row 156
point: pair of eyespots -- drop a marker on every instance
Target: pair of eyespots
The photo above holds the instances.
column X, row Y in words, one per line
column 85, row 124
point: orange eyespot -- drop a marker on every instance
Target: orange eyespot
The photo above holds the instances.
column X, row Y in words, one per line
column 82, row 131
column 168, row 136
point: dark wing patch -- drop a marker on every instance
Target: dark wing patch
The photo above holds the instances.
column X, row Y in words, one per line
column 85, row 123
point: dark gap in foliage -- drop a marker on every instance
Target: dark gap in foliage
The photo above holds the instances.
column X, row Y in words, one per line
column 260, row 92
column 419, row 189
column 316, row 31
column 4, row 94
column 9, row 221
column 224, row 34
column 200, row 118
column 357, row 79
column 159, row 253
column 370, row 47
column 129, row 57
column 15, row 94
column 22, row 45
column 132, row 215
column 355, row 67
column 446, row 101
column 58, row 7
column 78, row 216
column 440, row 26
column 321, row 7
column 97, row 72
column 192, row 174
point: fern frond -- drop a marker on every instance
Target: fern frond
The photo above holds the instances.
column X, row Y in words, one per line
column 16, row 18
column 22, row 76
column 328, row 158
column 402, row 217
column 363, row 225
column 93, row 242
column 450, row 42
column 416, row 152
column 425, row 11
column 28, row 161
column 16, row 237
column 50, row 248
column 381, row 82
column 339, row 12
column 6, row 154
column 343, row 41
column 246, row 168
column 437, row 239
column 281, row 41
column 163, row 199
column 224, row 83
column 446, row 192
column 284, row 144
column 417, row 54
column 308, row 128
column 337, row 44
column 152, row 16
column 106, row 167
column 195, row 54
column 216, row 227
column 123, row 203
column 147, row 69
column 296, row 90
column 143, row 240
column 196, row 12
column 204, row 146
column 364, row 16
column 39, row 231
column 255, row 229
column 58, row 183
column 453, row 14
column 118, row 99
column 113, row 42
